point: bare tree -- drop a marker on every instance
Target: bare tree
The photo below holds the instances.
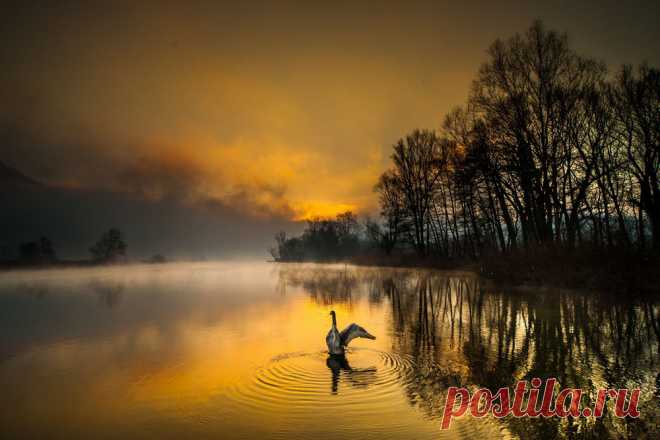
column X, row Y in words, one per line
column 636, row 99
column 110, row 247
column 417, row 167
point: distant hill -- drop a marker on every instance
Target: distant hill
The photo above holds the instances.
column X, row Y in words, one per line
column 11, row 177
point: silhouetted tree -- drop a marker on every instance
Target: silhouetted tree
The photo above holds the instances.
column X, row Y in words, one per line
column 37, row 252
column 322, row 239
column 531, row 94
column 392, row 211
column 110, row 247
column 547, row 152
column 636, row 99
column 417, row 167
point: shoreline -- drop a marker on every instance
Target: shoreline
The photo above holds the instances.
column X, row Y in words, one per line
column 624, row 273
column 593, row 271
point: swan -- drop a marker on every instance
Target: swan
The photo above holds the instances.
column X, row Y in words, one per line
column 336, row 340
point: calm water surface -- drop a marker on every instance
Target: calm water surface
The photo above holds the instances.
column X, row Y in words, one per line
column 236, row 350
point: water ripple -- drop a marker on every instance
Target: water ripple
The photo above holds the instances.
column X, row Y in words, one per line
column 299, row 382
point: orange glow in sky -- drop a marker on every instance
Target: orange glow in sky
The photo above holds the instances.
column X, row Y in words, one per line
column 277, row 110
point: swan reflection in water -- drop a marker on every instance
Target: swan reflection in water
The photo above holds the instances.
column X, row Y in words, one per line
column 356, row 377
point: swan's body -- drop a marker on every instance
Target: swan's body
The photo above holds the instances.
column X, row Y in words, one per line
column 333, row 339
column 337, row 341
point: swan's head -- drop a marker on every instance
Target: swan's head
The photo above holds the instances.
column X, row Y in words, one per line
column 334, row 317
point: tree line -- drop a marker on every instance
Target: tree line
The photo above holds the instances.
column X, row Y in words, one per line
column 548, row 150
column 110, row 248
column 323, row 239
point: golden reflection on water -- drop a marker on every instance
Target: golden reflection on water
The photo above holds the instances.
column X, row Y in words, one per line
column 236, row 350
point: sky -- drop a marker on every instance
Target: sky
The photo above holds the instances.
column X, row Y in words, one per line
column 277, row 110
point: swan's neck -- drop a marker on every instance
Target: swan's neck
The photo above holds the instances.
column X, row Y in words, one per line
column 334, row 320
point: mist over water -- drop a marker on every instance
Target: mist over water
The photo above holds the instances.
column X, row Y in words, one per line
column 237, row 350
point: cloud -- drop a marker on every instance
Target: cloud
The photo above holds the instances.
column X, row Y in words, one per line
column 257, row 177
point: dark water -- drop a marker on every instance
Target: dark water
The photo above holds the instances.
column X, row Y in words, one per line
column 236, row 350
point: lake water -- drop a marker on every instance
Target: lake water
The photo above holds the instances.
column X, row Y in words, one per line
column 237, row 350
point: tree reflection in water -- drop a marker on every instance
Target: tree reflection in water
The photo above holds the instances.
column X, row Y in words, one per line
column 461, row 332
column 109, row 293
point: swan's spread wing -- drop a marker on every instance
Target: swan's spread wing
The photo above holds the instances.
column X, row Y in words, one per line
column 348, row 334
column 354, row 331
